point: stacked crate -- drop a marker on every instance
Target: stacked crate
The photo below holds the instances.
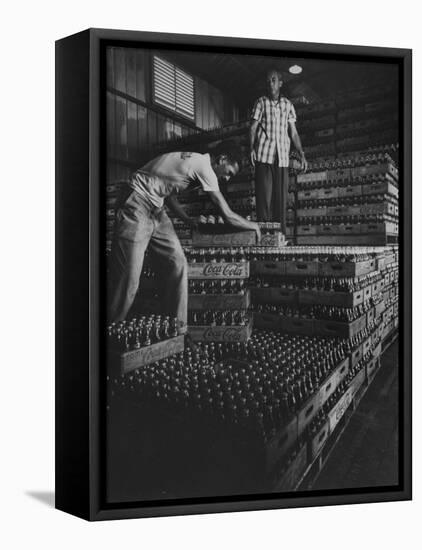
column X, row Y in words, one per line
column 218, row 304
column 356, row 205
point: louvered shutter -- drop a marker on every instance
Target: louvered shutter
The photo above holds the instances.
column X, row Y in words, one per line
column 174, row 88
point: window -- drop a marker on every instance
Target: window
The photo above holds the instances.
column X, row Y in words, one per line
column 173, row 88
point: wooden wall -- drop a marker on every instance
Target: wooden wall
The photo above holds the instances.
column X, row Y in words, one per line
column 135, row 123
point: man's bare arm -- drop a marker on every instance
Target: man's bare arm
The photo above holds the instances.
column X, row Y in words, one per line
column 298, row 144
column 231, row 217
column 252, row 136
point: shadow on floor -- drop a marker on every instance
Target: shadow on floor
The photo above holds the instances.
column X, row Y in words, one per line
column 45, row 497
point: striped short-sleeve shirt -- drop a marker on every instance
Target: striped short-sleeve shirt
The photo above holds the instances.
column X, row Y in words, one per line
column 272, row 135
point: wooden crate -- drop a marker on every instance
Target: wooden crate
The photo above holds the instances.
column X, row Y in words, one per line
column 382, row 188
column 366, row 346
column 350, row 191
column 218, row 270
column 306, row 230
column 276, row 239
column 240, row 238
column 279, row 445
column 357, row 382
column 220, row 333
column 346, row 269
column 307, row 412
column 291, row 476
column 263, row 267
column 320, row 176
column 379, row 309
column 332, row 382
column 337, row 412
column 317, row 442
column 295, row 325
column 390, row 228
column 370, row 315
column 385, row 168
column 274, row 295
column 339, row 329
column 134, row 359
column 267, row 320
column 219, row 301
column 309, row 269
column 329, row 298
column 356, row 356
column 371, row 369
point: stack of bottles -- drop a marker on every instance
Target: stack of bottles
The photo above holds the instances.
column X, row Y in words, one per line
column 140, row 332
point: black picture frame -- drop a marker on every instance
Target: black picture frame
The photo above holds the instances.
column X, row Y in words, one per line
column 80, row 481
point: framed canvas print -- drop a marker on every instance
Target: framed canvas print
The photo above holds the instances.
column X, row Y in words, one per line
column 233, row 274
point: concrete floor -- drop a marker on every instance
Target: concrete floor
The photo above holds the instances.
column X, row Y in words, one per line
column 367, row 453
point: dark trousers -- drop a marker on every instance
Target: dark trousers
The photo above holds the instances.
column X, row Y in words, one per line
column 271, row 188
column 138, row 226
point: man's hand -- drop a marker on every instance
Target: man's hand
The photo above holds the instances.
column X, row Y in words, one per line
column 303, row 163
column 253, row 157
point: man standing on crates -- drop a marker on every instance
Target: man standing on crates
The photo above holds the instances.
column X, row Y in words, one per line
column 141, row 223
column 273, row 119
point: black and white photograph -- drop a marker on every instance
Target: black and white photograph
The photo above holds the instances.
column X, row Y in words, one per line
column 251, row 217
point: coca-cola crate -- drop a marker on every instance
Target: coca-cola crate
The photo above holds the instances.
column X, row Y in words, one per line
column 350, row 191
column 356, row 355
column 344, row 210
column 366, row 346
column 272, row 295
column 381, row 264
column 220, row 333
column 367, row 293
column 263, row 267
column 385, row 168
column 306, row 229
column 134, row 359
column 320, row 176
column 346, row 269
column 289, row 477
column 296, row 325
column 302, row 268
column 382, row 188
column 275, row 239
column 329, row 298
column 357, row 382
column 385, row 228
column 378, row 208
column 317, row 442
column 370, row 315
column 307, row 412
column 307, row 195
column 267, row 320
column 396, row 210
column 395, row 322
column 372, row 368
column 219, row 301
column 240, row 238
column 339, row 409
column 379, row 309
column 376, row 352
column 281, row 443
column 218, row 270
column 329, row 386
column 395, row 310
column 302, row 212
column 340, row 174
column 330, row 193
column 376, row 288
column 339, row 329
column 387, row 278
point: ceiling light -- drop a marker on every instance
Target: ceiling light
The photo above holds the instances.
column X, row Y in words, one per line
column 295, row 69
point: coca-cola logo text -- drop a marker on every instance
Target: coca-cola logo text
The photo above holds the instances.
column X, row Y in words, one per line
column 224, row 270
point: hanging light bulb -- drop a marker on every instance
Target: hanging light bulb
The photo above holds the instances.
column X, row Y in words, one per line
column 295, row 69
